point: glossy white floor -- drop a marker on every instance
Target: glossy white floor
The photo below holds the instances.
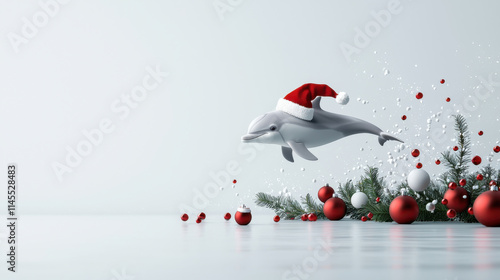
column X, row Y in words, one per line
column 160, row 247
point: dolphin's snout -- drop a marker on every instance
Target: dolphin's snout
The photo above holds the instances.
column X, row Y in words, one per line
column 249, row 137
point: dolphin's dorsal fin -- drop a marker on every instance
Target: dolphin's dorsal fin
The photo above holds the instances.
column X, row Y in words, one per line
column 316, row 102
column 301, row 150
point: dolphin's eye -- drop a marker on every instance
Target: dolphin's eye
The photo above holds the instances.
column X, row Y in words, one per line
column 272, row 127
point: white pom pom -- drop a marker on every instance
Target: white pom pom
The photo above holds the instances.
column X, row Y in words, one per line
column 342, row 98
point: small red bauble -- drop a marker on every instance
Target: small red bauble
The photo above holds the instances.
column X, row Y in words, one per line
column 364, row 219
column 370, row 215
column 479, row 177
column 452, row 185
column 184, row 217
column 455, row 148
column 442, row 81
column 377, row 199
column 476, row 160
column 487, row 208
column 419, row 165
column 448, row 99
column 227, row 217
column 496, row 149
column 325, row 193
column 404, row 209
column 456, row 200
column 415, row 153
column 312, row 217
column 444, row 201
column 303, row 217
column 243, row 215
column 403, row 117
column 480, row 133
column 198, row 220
column 470, row 211
column 276, row 218
column 451, row 213
column 438, row 162
column 202, row 216
column 493, row 183
column 462, row 182
column 234, row 181
column 334, row 209
column 419, row 95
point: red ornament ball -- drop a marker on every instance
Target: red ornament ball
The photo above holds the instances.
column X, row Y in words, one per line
column 448, row 99
column 476, row 160
column 202, row 216
column 479, row 177
column 415, row 153
column 480, row 133
column 496, row 149
column 456, row 200
column 370, row 215
column 444, row 201
column 452, row 185
column 442, row 81
column 419, row 165
column 364, row 219
column 438, row 162
column 403, row 117
column 276, row 218
column 404, row 209
column 493, row 183
column 184, row 217
column 198, row 220
column 377, row 199
column 419, row 95
column 455, row 148
column 487, row 208
column 325, row 193
column 303, row 217
column 243, row 215
column 312, row 217
column 234, row 181
column 334, row 209
column 227, row 217
column 470, row 211
column 243, row 219
column 451, row 213
column 462, row 182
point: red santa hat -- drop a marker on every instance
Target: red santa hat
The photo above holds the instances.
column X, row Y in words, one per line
column 298, row 103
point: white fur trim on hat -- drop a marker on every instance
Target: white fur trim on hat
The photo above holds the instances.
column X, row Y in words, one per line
column 295, row 109
column 342, row 98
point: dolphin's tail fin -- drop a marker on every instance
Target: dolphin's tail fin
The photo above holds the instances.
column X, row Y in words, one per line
column 383, row 137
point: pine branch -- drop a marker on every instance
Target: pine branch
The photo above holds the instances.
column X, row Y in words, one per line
column 312, row 207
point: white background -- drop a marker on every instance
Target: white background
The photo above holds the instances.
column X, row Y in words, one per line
column 224, row 70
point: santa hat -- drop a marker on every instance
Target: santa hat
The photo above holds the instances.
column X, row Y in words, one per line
column 298, row 103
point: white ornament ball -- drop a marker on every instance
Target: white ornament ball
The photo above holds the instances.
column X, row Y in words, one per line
column 342, row 98
column 418, row 180
column 359, row 199
column 430, row 207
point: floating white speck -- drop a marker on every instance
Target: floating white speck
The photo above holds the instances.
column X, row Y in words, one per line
column 386, row 72
column 314, row 180
column 282, row 170
column 302, row 169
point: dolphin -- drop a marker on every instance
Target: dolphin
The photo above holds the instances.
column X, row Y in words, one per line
column 297, row 135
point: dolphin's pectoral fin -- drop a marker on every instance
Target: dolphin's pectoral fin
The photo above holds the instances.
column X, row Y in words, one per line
column 301, row 150
column 383, row 137
column 287, row 153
